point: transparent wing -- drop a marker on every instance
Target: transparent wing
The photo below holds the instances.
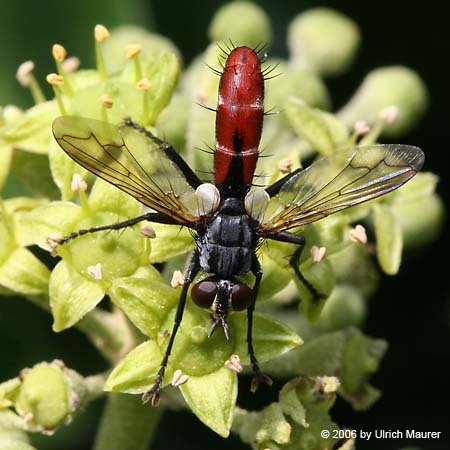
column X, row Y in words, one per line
column 339, row 181
column 130, row 161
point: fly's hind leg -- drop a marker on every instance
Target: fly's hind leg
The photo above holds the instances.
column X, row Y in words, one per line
column 299, row 240
column 259, row 377
column 153, row 394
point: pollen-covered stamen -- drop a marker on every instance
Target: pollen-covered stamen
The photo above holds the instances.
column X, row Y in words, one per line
column 148, row 231
column 71, row 64
column 358, row 234
column 59, row 53
column 107, row 101
column 177, row 279
column 318, row 253
column 56, row 81
column 361, row 128
column 101, row 34
column 26, row 78
column 179, row 378
column 389, row 114
column 96, row 272
column 132, row 50
column 285, row 165
column 256, row 203
column 234, row 364
column 208, row 199
column 78, row 184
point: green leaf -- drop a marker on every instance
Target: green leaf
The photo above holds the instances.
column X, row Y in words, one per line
column 270, row 338
column 136, row 373
column 212, row 398
column 23, row 272
column 388, row 233
column 310, row 124
column 72, row 296
column 145, row 298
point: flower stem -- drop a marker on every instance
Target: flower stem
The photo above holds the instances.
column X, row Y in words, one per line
column 126, row 424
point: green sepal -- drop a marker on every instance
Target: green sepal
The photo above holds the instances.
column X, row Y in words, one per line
column 136, row 373
column 13, row 438
column 127, row 101
column 270, row 337
column 145, row 298
column 321, row 130
column 34, row 173
column 33, row 227
column 72, row 295
column 388, row 234
column 321, row 276
column 22, row 272
column 106, row 197
column 170, row 241
column 8, row 390
column 275, row 278
column 31, row 131
column 6, row 153
column 163, row 78
column 212, row 398
column 121, row 253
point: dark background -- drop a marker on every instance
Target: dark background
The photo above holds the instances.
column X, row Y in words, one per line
column 411, row 310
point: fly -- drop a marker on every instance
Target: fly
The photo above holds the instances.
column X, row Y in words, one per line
column 229, row 217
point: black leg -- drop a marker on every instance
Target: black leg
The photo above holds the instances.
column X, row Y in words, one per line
column 153, row 394
column 292, row 238
column 274, row 189
column 259, row 378
column 170, row 152
column 151, row 217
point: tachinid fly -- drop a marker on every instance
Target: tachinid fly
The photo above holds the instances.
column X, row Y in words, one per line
column 230, row 217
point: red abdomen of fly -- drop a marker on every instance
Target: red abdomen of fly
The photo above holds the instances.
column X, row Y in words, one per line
column 239, row 119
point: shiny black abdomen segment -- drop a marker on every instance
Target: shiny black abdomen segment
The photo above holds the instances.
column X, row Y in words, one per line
column 227, row 245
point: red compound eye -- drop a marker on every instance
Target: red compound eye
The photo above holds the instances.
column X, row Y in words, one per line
column 204, row 292
column 241, row 296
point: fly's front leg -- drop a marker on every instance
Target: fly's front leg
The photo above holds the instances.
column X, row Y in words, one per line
column 259, row 378
column 151, row 217
column 153, row 394
column 292, row 238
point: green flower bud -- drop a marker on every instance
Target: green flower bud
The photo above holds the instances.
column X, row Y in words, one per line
column 49, row 394
column 323, row 40
column 294, row 82
column 244, row 23
column 384, row 87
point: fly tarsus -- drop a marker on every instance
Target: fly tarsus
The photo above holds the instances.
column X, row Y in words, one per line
column 153, row 395
column 259, row 378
